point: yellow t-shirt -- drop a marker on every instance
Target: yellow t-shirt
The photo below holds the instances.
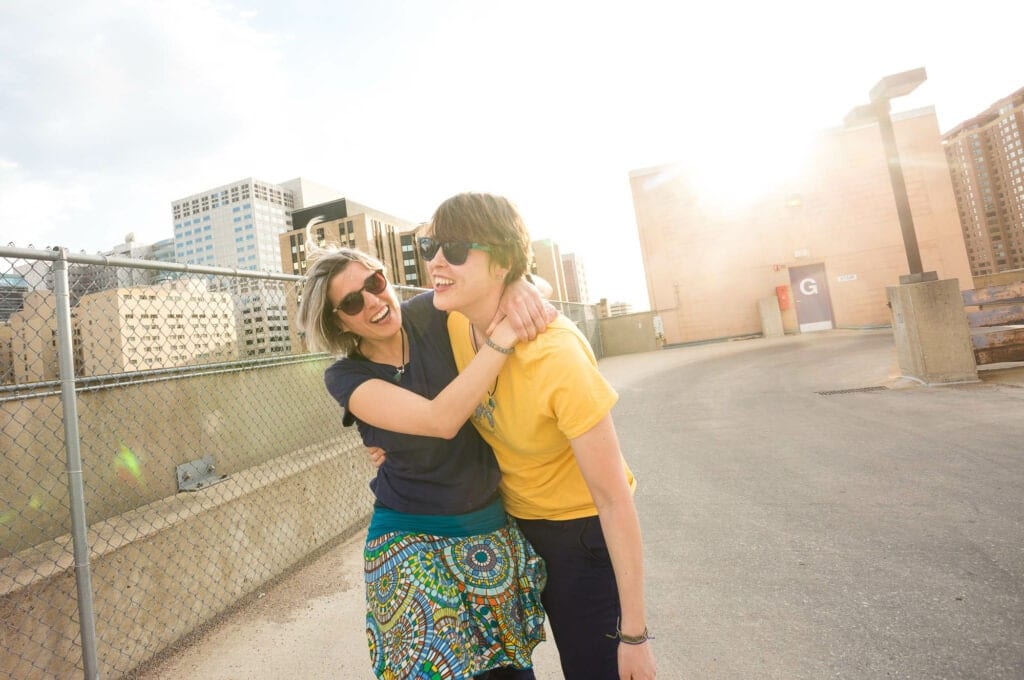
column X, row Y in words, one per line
column 548, row 392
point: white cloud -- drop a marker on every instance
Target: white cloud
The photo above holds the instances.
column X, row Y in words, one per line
column 115, row 84
column 111, row 110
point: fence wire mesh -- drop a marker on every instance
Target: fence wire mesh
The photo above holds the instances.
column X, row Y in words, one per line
column 212, row 460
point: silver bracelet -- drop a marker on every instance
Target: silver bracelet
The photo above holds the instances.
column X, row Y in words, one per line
column 630, row 639
column 498, row 348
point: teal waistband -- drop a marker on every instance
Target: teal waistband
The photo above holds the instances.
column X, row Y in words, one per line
column 483, row 521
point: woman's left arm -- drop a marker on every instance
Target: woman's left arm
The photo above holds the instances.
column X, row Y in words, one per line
column 600, row 460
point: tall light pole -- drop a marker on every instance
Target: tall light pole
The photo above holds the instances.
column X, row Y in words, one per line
column 890, row 87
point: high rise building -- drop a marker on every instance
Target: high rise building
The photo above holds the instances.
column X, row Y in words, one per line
column 306, row 193
column 235, row 225
column 163, row 251
column 348, row 224
column 986, row 163
column 547, row 264
column 125, row 277
column 575, row 279
column 239, row 225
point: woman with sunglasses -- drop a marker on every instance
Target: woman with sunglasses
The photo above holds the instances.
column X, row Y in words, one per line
column 452, row 587
column 548, row 418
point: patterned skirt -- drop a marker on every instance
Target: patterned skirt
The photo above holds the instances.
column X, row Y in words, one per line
column 443, row 608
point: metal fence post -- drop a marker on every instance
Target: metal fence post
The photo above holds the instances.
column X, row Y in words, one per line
column 76, row 491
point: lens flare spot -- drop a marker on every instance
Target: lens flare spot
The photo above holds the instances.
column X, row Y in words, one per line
column 37, row 501
column 127, row 465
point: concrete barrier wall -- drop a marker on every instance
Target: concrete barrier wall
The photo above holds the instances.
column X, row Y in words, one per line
column 133, row 437
column 289, row 480
column 1002, row 278
column 161, row 571
column 628, row 334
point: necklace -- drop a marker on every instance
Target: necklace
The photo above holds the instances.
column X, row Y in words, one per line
column 484, row 410
column 400, row 369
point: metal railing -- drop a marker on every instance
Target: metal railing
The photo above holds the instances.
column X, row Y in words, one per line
column 168, row 449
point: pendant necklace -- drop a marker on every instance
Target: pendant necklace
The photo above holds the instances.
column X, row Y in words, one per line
column 485, row 410
column 400, row 369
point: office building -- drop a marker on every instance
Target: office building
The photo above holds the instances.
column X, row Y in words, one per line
column 261, row 309
column 345, row 223
column 13, row 288
column 239, row 225
column 830, row 235
column 547, row 264
column 986, row 163
column 151, row 327
column 235, row 225
column 32, row 337
column 575, row 279
column 126, row 277
column 306, row 193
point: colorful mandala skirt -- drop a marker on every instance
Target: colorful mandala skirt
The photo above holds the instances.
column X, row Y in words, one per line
column 443, row 608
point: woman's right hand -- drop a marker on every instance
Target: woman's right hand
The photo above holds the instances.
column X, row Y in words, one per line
column 528, row 311
column 376, row 455
column 504, row 334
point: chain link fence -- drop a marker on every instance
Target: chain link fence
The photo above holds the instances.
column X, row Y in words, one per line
column 168, row 450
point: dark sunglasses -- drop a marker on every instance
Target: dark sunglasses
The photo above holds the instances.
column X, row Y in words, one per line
column 455, row 252
column 352, row 303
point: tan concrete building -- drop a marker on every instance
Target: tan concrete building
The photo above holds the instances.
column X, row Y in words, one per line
column 6, row 354
column 547, row 264
column 708, row 265
column 33, row 338
column 575, row 279
column 986, row 162
column 150, row 327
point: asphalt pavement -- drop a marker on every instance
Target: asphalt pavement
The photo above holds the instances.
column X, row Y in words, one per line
column 806, row 514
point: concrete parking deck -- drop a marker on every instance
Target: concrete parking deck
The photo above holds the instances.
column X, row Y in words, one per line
column 805, row 514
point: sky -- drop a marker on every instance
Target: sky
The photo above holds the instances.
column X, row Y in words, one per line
column 110, row 110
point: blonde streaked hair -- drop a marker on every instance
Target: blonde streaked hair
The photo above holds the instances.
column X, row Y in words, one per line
column 316, row 317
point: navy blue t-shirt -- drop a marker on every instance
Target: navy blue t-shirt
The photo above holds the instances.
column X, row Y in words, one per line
column 421, row 475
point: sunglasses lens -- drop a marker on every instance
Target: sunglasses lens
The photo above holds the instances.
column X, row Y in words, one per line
column 375, row 283
column 456, row 252
column 428, row 248
column 352, row 303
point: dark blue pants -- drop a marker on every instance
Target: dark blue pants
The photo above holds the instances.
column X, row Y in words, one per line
column 506, row 673
column 581, row 599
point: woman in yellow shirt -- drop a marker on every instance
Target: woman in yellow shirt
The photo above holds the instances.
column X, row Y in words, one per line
column 548, row 418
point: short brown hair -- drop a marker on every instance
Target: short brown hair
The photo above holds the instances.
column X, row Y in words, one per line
column 488, row 219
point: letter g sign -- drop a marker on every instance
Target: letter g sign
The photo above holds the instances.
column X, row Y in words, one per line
column 809, row 287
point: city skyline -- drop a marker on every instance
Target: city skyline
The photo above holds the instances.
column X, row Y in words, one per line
column 109, row 112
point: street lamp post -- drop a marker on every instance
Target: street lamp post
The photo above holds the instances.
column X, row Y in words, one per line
column 890, row 87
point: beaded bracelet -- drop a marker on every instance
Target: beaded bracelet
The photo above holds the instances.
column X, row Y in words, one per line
column 498, row 348
column 630, row 639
